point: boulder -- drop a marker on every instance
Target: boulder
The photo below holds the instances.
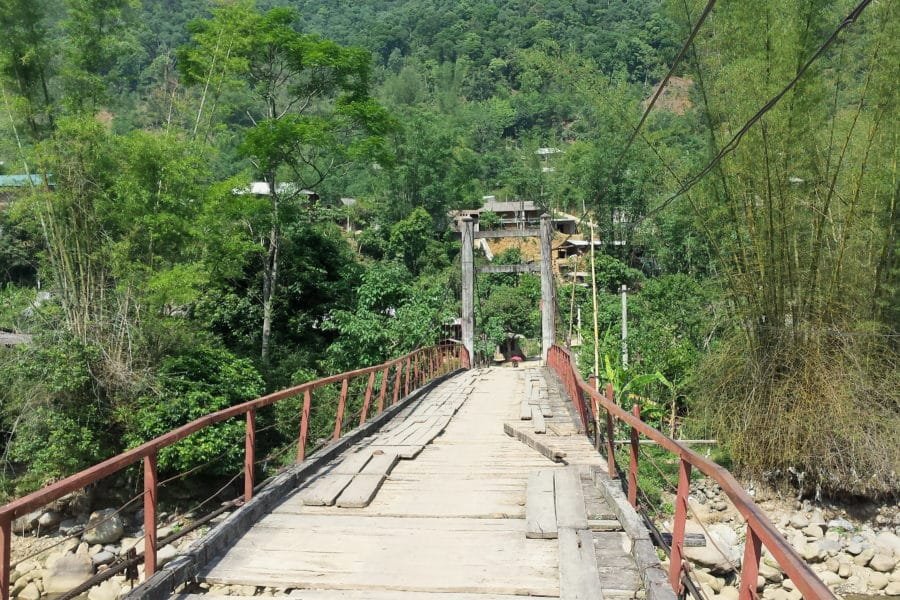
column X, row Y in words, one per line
column 50, row 519
column 811, row 553
column 813, row 531
column 710, row 556
column 715, row 583
column 104, row 527
column 729, row 593
column 799, row 521
column 108, row 590
column 829, row 578
column 74, row 526
column 882, row 563
column 26, row 523
column 889, row 542
column 831, row 547
column 30, row 592
column 878, row 581
column 165, row 554
column 842, row 524
column 893, row 588
column 66, row 571
column 854, row 548
column 103, row 557
column 863, row 558
column 770, row 573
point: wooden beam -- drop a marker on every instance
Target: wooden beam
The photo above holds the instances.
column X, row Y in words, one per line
column 506, row 233
column 520, row 268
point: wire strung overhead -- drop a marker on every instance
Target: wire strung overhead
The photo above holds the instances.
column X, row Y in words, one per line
column 736, row 138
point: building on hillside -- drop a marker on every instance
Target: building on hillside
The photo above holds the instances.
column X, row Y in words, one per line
column 285, row 188
column 14, row 185
column 515, row 214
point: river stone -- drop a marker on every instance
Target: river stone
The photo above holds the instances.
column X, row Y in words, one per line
column 843, row 524
column 23, row 568
column 811, row 553
column 26, row 523
column 854, row 548
column 799, row 521
column 888, row 541
column 103, row 557
column 66, row 572
column 104, row 527
column 829, row 578
column 709, row 556
column 715, row 583
column 832, row 547
column 882, row 563
column 878, row 581
column 729, row 593
column 863, row 558
column 74, row 526
column 30, row 592
column 770, row 573
column 844, row 569
column 108, row 590
column 49, row 519
column 893, row 588
column 165, row 554
column 813, row 531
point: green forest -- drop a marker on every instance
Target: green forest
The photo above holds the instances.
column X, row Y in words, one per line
column 158, row 285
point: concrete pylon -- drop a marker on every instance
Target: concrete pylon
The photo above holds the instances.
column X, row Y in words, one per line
column 548, row 288
column 468, row 286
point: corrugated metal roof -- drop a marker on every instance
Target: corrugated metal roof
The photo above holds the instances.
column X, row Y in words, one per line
column 20, row 180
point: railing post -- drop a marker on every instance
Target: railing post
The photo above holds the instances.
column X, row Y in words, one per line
column 5, row 556
column 304, row 425
column 681, row 507
column 633, row 463
column 368, row 398
column 406, row 378
column 610, row 436
column 750, row 566
column 150, row 500
column 415, row 362
column 383, row 390
column 397, row 383
column 249, row 454
column 595, row 411
column 339, row 418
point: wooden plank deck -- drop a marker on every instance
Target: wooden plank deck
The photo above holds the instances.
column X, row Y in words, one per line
column 447, row 522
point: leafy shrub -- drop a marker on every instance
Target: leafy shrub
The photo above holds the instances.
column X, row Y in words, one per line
column 200, row 381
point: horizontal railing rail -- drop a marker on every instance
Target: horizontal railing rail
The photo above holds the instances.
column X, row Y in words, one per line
column 760, row 530
column 398, row 378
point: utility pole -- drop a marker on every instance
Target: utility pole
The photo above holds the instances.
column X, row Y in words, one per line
column 624, row 326
column 468, row 287
column 594, row 298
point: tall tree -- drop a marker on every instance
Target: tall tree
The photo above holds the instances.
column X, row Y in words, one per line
column 306, row 114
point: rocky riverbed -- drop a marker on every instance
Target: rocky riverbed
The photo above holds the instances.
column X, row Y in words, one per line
column 53, row 553
column 855, row 558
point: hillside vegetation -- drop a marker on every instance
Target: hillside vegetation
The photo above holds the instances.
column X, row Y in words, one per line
column 764, row 299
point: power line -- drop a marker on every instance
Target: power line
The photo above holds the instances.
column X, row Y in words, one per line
column 659, row 90
column 736, row 139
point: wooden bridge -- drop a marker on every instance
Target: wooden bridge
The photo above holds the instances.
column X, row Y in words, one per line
column 454, row 484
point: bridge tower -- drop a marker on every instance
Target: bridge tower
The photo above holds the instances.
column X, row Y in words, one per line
column 548, row 286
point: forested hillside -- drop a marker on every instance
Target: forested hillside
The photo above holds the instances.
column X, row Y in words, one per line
column 157, row 287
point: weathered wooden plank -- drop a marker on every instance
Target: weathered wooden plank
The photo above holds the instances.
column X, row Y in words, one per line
column 569, row 497
column 381, row 553
column 404, row 451
column 528, row 438
column 579, row 578
column 365, row 485
column 537, row 420
column 325, row 490
column 540, row 511
column 525, row 411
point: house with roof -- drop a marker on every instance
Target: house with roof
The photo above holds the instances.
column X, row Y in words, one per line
column 15, row 185
column 515, row 214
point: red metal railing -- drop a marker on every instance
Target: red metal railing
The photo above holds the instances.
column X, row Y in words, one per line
column 760, row 531
column 408, row 372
